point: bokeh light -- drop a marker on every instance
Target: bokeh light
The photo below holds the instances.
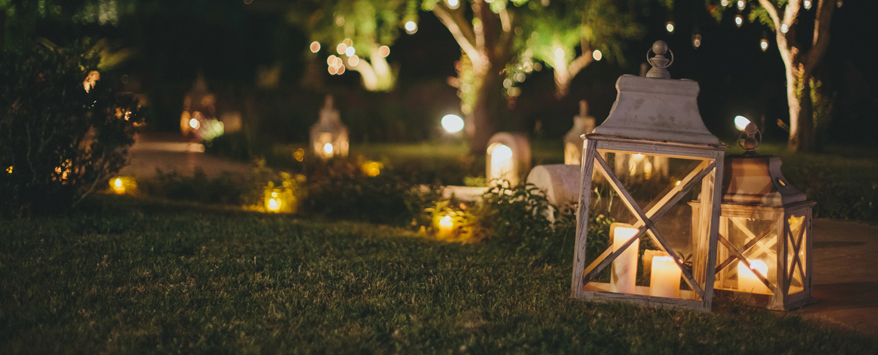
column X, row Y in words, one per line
column 315, row 47
column 452, row 123
column 597, row 55
column 411, row 27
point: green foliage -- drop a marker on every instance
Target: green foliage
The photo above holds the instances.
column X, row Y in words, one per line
column 224, row 189
column 61, row 141
column 519, row 217
column 139, row 277
column 338, row 188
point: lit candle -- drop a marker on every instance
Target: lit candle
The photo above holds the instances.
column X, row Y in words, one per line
column 446, row 227
column 747, row 280
column 664, row 280
column 625, row 266
column 118, row 186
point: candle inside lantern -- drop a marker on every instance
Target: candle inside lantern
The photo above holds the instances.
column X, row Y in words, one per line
column 625, row 266
column 446, row 227
column 664, row 280
column 747, row 280
column 501, row 163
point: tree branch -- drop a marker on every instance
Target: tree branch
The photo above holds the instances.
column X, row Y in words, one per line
column 820, row 42
column 459, row 28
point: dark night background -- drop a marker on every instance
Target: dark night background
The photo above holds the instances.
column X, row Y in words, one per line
column 228, row 40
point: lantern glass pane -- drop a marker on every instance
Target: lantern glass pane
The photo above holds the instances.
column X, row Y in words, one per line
column 756, row 239
column 655, row 185
column 796, row 260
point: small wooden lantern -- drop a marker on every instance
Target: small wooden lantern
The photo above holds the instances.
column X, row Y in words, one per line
column 329, row 137
column 508, row 158
column 764, row 232
column 637, row 240
column 583, row 124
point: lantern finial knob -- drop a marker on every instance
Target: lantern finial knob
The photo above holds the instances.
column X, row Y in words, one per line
column 659, row 62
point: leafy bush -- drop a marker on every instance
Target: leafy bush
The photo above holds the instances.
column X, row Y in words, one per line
column 62, row 139
column 224, row 189
column 519, row 217
column 340, row 189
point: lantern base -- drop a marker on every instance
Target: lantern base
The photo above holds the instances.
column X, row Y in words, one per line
column 602, row 292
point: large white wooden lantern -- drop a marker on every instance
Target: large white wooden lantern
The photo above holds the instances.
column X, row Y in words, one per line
column 329, row 137
column 508, row 158
column 638, row 239
column 764, row 232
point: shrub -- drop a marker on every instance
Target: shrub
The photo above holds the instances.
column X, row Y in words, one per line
column 62, row 139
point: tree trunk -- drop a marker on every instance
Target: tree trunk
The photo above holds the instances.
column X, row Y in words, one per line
column 801, row 111
column 487, row 104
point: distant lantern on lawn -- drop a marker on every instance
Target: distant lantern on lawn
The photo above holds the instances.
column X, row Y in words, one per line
column 764, row 231
column 653, row 116
column 329, row 137
column 508, row 158
column 582, row 124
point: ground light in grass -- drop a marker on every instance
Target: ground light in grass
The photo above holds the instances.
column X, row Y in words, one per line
column 123, row 184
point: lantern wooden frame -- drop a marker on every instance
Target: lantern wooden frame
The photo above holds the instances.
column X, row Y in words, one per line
column 583, row 284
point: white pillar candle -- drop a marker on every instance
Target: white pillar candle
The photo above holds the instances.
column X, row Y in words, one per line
column 664, row 280
column 625, row 266
column 747, row 280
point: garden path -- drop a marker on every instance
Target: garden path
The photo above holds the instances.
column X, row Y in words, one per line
column 173, row 152
column 845, row 279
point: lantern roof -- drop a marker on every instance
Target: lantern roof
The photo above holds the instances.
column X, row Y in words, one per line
column 663, row 110
column 657, row 108
column 757, row 181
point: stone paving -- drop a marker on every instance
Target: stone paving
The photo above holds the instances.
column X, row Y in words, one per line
column 172, row 152
column 845, row 280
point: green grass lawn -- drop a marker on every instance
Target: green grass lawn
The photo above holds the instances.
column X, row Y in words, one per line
column 124, row 275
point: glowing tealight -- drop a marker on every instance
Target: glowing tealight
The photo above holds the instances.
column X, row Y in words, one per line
column 670, row 27
column 763, row 44
column 315, row 47
column 118, row 186
column 274, row 205
column 807, row 4
column 741, row 122
column 696, row 41
column 452, row 123
column 741, row 4
column 784, row 28
column 193, row 123
column 327, row 148
column 384, row 51
column 739, row 20
column 597, row 55
column 411, row 27
column 453, row 4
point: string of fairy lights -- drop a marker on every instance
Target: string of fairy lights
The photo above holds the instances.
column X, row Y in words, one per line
column 739, row 20
column 345, row 49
